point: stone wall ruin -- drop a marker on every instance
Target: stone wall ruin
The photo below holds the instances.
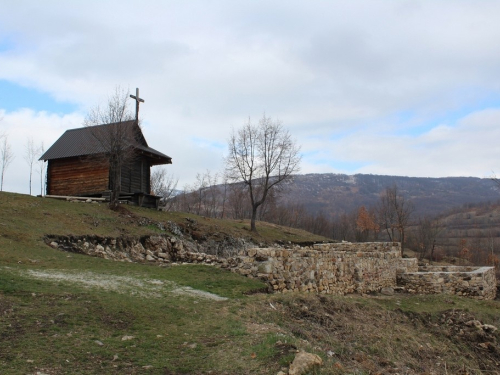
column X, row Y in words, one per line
column 478, row 282
column 331, row 268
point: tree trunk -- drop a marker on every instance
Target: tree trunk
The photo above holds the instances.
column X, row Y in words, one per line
column 389, row 234
column 402, row 242
column 115, row 184
column 432, row 250
column 253, row 228
column 31, row 174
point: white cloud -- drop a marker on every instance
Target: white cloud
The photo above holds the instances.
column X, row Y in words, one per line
column 43, row 128
column 337, row 74
column 467, row 147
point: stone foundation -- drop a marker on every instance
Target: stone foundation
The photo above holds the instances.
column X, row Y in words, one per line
column 161, row 249
column 333, row 268
column 478, row 282
column 336, row 268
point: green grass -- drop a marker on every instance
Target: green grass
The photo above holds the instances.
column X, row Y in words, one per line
column 63, row 326
column 56, row 325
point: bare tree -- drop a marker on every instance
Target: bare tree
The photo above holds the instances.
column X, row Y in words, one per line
column 6, row 156
column 206, row 195
column 346, row 227
column 115, row 139
column 197, row 193
column 426, row 235
column 183, row 201
column 30, row 154
column 238, row 201
column 404, row 208
column 163, row 185
column 263, row 157
column 394, row 213
column 213, row 195
column 495, row 179
column 41, row 166
column 387, row 214
column 225, row 186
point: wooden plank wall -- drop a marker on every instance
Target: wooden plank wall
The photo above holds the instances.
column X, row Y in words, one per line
column 135, row 176
column 77, row 176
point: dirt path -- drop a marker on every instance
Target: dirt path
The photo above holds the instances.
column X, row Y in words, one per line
column 147, row 288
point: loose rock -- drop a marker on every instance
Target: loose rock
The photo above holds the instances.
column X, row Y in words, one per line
column 387, row 291
column 304, row 362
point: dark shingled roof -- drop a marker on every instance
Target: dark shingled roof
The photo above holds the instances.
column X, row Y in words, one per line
column 82, row 142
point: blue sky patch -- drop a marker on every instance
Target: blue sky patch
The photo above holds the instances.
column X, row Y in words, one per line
column 6, row 45
column 206, row 143
column 347, row 166
column 14, row 97
column 414, row 123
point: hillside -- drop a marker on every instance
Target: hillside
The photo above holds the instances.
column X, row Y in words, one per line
column 475, row 227
column 66, row 313
column 334, row 194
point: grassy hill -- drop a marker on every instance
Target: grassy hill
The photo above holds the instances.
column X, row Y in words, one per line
column 64, row 313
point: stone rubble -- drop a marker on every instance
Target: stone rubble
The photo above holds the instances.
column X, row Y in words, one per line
column 158, row 249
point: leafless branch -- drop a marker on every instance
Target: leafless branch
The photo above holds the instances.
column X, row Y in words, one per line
column 115, row 139
column 394, row 212
column 163, row 185
column 41, row 166
column 30, row 154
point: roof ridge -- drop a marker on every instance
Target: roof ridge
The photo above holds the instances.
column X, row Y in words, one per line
column 111, row 123
column 77, row 142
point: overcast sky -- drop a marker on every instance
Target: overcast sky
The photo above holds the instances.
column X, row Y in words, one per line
column 398, row 87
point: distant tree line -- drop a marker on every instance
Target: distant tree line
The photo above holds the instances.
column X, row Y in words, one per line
column 212, row 195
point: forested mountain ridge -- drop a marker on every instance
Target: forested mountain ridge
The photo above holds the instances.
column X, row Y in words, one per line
column 334, row 194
